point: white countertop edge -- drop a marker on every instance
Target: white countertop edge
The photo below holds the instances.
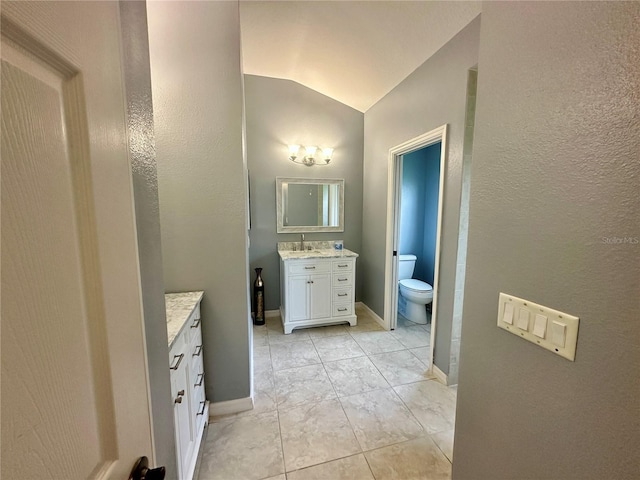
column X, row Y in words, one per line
column 316, row 254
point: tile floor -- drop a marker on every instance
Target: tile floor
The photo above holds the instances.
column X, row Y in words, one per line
column 335, row 403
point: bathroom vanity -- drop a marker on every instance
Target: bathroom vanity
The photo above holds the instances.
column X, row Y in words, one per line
column 191, row 409
column 317, row 287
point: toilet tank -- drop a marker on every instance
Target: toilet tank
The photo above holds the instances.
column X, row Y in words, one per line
column 406, row 264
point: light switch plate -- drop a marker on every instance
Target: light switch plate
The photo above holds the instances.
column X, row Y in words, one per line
column 554, row 317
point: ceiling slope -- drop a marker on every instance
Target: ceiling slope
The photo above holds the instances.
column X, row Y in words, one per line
column 353, row 51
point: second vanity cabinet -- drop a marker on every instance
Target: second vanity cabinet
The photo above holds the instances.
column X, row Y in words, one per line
column 190, row 412
column 317, row 291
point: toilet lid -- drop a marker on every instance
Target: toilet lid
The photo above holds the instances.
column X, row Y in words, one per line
column 416, row 285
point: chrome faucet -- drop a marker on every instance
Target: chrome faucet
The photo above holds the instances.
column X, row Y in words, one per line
column 302, row 242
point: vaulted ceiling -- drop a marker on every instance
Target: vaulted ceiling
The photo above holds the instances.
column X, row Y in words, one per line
column 352, row 51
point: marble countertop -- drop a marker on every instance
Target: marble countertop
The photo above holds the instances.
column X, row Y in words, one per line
column 320, row 253
column 179, row 306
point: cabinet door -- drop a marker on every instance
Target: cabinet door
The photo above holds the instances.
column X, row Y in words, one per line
column 182, row 414
column 298, row 298
column 320, row 295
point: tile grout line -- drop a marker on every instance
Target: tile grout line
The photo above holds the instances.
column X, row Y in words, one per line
column 368, row 356
column 275, row 392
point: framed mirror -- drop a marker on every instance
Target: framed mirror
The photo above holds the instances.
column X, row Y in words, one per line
column 309, row 205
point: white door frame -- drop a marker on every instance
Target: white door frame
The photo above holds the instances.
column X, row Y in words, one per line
column 394, row 188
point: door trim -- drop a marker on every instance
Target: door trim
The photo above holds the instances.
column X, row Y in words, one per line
column 393, row 222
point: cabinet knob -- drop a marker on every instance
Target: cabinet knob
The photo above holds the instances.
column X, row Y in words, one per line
column 181, row 393
column 178, row 400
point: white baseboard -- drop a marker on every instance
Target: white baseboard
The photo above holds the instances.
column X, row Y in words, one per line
column 231, row 406
column 372, row 313
column 439, row 374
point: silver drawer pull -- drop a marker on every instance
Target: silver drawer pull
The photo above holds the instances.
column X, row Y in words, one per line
column 197, row 351
column 309, row 268
column 201, row 412
column 196, row 323
column 342, row 309
column 343, row 279
column 179, row 357
column 199, row 384
column 343, row 294
column 343, row 266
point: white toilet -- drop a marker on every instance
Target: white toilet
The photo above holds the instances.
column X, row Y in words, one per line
column 414, row 294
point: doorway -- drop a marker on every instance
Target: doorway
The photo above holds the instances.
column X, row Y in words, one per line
column 394, row 213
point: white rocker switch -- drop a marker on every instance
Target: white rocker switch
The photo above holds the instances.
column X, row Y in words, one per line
column 558, row 333
column 543, row 326
column 540, row 326
column 508, row 313
column 523, row 319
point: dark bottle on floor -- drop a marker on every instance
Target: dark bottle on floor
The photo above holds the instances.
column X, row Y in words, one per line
column 258, row 299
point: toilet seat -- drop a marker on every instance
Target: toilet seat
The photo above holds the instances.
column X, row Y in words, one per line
column 415, row 285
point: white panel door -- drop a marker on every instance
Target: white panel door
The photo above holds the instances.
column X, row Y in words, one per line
column 298, row 298
column 320, row 295
column 183, row 413
column 75, row 401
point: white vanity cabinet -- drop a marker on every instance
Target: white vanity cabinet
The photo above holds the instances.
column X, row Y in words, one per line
column 180, row 386
column 316, row 291
column 190, row 412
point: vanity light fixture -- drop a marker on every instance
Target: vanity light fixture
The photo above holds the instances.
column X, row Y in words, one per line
column 309, row 159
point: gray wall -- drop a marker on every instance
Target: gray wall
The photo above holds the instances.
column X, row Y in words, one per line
column 431, row 96
column 554, row 182
column 197, row 99
column 282, row 112
column 137, row 77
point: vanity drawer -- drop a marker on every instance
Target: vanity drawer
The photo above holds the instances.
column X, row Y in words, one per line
column 343, row 279
column 342, row 309
column 309, row 267
column 342, row 266
column 342, row 295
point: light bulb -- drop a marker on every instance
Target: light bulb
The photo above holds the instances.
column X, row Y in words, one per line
column 311, row 151
column 293, row 150
column 327, row 153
